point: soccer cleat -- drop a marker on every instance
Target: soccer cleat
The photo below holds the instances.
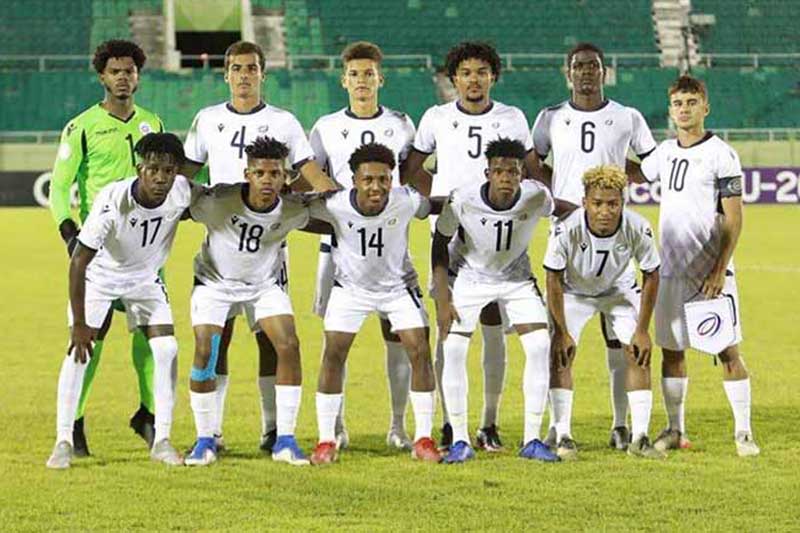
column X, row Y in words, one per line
column 61, row 456
column 671, row 439
column 143, row 423
column 745, row 445
column 459, row 452
column 551, row 440
column 268, row 441
column 447, row 437
column 642, row 448
column 620, row 438
column 324, row 453
column 342, row 440
column 567, row 449
column 538, row 451
column 203, row 454
column 397, row 438
column 164, row 452
column 219, row 442
column 80, row 446
column 488, row 439
column 425, row 450
column 286, row 450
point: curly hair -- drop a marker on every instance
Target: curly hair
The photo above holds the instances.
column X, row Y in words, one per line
column 371, row 153
column 117, row 48
column 161, row 143
column 266, row 148
column 505, row 147
column 472, row 50
column 605, row 177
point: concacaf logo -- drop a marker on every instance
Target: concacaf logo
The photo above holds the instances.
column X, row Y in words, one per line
column 710, row 325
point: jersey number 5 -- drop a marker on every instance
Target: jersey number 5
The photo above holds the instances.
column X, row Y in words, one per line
column 474, row 132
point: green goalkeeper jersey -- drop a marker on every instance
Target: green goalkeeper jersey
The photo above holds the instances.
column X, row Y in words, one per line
column 96, row 149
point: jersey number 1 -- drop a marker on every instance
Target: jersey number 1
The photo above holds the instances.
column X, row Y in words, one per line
column 498, row 243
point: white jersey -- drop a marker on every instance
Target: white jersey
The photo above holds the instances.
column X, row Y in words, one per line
column 219, row 135
column 460, row 138
column 132, row 241
column 241, row 253
column 370, row 252
column 494, row 243
column 693, row 181
column 581, row 140
column 335, row 137
column 595, row 265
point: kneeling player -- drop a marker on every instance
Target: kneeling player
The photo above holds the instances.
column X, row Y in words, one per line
column 588, row 272
column 239, row 265
column 494, row 221
column 374, row 274
column 123, row 243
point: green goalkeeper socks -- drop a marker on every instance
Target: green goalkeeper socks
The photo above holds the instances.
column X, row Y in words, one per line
column 89, row 377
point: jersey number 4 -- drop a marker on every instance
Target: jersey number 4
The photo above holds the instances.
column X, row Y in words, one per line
column 375, row 241
column 238, row 141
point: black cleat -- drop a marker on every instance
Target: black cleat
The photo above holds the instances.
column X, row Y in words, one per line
column 447, row 437
column 80, row 448
column 620, row 438
column 143, row 423
column 268, row 441
column 488, row 439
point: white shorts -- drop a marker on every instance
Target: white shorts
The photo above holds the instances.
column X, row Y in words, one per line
column 520, row 302
column 213, row 306
column 325, row 271
column 349, row 306
column 671, row 332
column 283, row 278
column 145, row 305
column 621, row 312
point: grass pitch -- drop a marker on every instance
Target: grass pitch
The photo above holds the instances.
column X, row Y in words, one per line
column 372, row 488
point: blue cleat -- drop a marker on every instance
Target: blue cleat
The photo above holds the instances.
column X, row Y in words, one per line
column 459, row 452
column 539, row 451
column 286, row 450
column 203, row 454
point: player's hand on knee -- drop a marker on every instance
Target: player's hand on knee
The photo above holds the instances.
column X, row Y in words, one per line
column 445, row 315
column 641, row 348
column 81, row 342
column 713, row 284
column 563, row 350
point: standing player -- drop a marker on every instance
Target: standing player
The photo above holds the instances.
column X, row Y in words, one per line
column 494, row 221
column 97, row 148
column 586, row 131
column 218, row 137
column 700, row 220
column 334, row 137
column 374, row 274
column 587, row 262
column 239, row 264
column 458, row 132
column 124, row 242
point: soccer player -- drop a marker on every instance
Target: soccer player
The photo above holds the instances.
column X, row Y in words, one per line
column 97, row 148
column 123, row 243
column 700, row 220
column 587, row 260
column 458, row 132
column 374, row 274
column 218, row 137
column 586, row 131
column 239, row 264
column 494, row 221
column 334, row 137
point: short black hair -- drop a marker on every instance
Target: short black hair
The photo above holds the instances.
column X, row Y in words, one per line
column 505, row 147
column 266, row 148
column 472, row 50
column 117, row 48
column 586, row 47
column 161, row 143
column 371, row 153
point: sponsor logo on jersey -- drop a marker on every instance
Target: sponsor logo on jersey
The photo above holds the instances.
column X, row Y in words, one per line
column 145, row 128
column 70, row 128
column 234, row 219
column 106, row 209
column 220, row 126
column 455, row 124
column 133, row 221
column 648, row 232
column 567, row 121
column 584, row 246
column 710, row 325
column 483, row 221
column 105, row 131
column 345, row 133
column 349, row 223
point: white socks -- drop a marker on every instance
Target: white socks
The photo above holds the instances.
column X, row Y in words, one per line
column 165, row 358
column 266, row 388
column 438, row 369
column 494, row 371
column 738, row 393
column 203, row 406
column 641, row 402
column 222, row 391
column 455, row 386
column 619, row 397
column 422, row 402
column 536, row 380
column 327, row 408
column 398, row 370
column 674, row 391
column 287, row 404
column 561, row 412
column 70, row 383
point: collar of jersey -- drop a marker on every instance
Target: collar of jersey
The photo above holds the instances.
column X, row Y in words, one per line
column 485, row 198
column 349, row 113
column 353, row 202
column 139, row 204
column 261, row 105
column 115, row 117
column 485, row 111
column 589, row 228
column 245, row 189
column 604, row 104
column 706, row 137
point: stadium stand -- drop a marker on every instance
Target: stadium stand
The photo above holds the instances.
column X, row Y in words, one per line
column 750, row 25
column 45, row 26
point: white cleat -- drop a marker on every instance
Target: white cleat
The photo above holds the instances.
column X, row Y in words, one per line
column 61, row 456
column 342, row 440
column 397, row 438
column 745, row 445
column 203, row 453
column 164, row 452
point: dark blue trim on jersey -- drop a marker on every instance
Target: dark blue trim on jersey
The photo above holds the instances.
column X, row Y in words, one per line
column 485, row 198
column 244, row 191
column 324, row 247
column 556, row 270
column 706, row 137
column 353, row 203
column 190, row 160
column 642, row 156
column 350, row 114
column 299, row 164
column 604, row 104
column 261, row 105
column 488, row 108
column 647, row 272
column 115, row 117
column 589, row 228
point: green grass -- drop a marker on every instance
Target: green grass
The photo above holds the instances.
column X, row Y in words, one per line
column 706, row 488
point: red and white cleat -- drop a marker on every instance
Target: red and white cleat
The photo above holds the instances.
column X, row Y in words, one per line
column 324, row 453
column 425, row 450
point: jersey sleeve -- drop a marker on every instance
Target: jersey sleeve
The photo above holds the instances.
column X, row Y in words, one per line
column 69, row 164
column 645, row 251
column 195, row 145
column 548, row 205
column 729, row 173
column 521, row 131
column 541, row 134
column 555, row 257
column 425, row 138
column 651, row 164
column 315, row 140
column 421, row 205
column 409, row 132
column 642, row 141
column 300, row 149
column 100, row 221
column 447, row 223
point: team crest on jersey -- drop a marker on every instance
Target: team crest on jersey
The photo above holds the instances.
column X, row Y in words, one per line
column 133, row 222
column 483, row 221
column 275, row 226
column 234, row 219
column 145, row 128
column 263, row 128
column 584, row 246
column 557, row 230
column 495, row 125
column 220, row 127
column 392, row 222
column 455, row 124
column 609, row 122
column 389, row 132
column 523, row 216
column 621, row 247
column 345, row 133
column 106, row 209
